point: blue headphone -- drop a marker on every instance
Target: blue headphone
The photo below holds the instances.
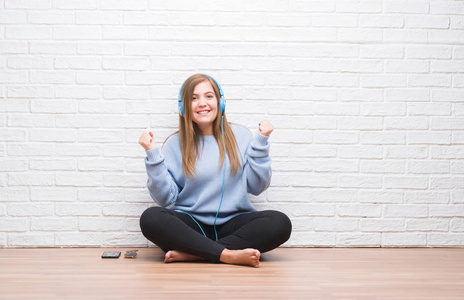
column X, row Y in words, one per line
column 222, row 106
column 222, row 101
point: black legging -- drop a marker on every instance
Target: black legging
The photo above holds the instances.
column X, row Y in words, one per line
column 172, row 230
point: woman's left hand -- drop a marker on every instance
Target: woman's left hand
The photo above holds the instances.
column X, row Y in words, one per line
column 265, row 128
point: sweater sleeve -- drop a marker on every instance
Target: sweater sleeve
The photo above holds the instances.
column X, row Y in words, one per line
column 161, row 184
column 258, row 168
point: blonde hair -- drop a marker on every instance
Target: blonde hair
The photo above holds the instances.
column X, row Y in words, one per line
column 189, row 133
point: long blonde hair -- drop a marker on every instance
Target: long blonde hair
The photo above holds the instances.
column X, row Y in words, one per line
column 189, row 132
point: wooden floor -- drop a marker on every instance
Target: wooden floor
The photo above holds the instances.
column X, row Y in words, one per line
column 285, row 273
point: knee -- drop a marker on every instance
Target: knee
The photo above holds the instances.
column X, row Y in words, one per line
column 150, row 217
column 281, row 224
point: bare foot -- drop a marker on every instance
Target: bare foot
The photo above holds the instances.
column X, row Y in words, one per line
column 249, row 257
column 175, row 255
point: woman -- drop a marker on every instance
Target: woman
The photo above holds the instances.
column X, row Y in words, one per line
column 201, row 180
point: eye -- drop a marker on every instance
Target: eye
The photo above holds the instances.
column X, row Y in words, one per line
column 210, row 96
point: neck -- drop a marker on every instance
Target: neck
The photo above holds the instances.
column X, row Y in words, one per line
column 206, row 131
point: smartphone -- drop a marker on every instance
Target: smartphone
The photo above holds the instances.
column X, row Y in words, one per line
column 111, row 254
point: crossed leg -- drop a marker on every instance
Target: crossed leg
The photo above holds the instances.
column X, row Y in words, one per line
column 241, row 240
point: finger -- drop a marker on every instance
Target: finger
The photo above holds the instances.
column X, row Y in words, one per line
column 264, row 124
column 146, row 138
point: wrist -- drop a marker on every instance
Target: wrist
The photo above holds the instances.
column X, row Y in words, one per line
column 153, row 154
column 261, row 139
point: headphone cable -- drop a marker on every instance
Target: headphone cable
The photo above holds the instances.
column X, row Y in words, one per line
column 223, row 175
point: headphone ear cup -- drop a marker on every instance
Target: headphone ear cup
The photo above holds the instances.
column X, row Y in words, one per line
column 222, row 104
column 181, row 108
column 179, row 100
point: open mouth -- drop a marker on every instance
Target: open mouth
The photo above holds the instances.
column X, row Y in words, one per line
column 203, row 112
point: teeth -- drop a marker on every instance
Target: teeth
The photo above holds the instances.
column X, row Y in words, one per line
column 203, row 112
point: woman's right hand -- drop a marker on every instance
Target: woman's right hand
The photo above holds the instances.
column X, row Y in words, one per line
column 147, row 141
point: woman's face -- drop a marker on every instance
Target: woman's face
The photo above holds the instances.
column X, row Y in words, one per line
column 204, row 107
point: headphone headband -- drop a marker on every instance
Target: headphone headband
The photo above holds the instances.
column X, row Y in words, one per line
column 222, row 101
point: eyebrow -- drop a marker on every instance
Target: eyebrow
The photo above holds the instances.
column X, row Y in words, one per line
column 208, row 92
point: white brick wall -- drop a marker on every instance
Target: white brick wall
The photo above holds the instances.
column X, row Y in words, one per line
column 367, row 98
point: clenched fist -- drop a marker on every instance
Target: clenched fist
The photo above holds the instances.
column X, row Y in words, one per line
column 147, row 141
column 265, row 128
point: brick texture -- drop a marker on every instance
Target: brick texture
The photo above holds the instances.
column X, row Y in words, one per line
column 367, row 100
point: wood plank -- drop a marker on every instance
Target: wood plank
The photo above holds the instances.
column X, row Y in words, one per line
column 285, row 273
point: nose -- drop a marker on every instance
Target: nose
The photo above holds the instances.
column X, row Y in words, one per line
column 202, row 101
